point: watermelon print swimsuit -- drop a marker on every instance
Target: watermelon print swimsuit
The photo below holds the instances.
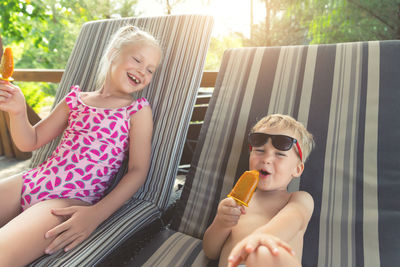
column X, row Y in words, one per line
column 90, row 153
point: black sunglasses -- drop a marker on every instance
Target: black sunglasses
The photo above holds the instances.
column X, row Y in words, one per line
column 281, row 142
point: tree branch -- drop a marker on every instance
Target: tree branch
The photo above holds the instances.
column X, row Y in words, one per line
column 371, row 13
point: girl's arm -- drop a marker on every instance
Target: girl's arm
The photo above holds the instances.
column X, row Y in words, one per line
column 25, row 136
column 28, row 138
column 84, row 219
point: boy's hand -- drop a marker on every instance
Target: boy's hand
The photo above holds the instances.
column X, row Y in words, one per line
column 81, row 223
column 248, row 245
column 229, row 212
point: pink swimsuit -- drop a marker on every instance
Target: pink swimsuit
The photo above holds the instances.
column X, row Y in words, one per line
column 90, row 153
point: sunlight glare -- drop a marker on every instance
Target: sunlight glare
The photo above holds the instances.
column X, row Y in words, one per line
column 229, row 15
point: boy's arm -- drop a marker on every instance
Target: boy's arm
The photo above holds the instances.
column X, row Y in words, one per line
column 228, row 215
column 214, row 239
column 292, row 219
column 279, row 231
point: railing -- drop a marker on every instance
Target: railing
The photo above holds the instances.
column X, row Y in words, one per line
column 54, row 76
column 8, row 149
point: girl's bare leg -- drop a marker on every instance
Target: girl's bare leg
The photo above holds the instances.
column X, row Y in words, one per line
column 263, row 257
column 22, row 240
column 10, row 196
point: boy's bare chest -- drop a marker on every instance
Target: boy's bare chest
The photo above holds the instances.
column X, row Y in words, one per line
column 260, row 211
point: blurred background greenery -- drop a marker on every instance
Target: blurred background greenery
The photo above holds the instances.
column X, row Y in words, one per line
column 42, row 32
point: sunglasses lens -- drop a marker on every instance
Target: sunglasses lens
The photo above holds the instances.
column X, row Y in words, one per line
column 282, row 142
column 258, row 139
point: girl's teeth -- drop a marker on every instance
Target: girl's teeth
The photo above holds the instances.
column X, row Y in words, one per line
column 133, row 78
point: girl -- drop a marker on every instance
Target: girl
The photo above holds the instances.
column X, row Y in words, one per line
column 66, row 192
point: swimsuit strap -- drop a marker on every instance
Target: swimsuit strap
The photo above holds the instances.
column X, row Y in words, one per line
column 72, row 97
column 137, row 105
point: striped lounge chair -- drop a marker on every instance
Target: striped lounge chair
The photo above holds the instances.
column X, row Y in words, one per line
column 172, row 94
column 348, row 96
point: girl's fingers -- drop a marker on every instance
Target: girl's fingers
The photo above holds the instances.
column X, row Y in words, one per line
column 76, row 242
column 63, row 211
column 5, row 93
column 57, row 230
column 60, row 242
column 7, row 87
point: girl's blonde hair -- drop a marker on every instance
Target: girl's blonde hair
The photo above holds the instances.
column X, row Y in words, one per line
column 126, row 35
column 286, row 122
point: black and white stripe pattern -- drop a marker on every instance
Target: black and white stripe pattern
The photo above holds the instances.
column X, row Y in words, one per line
column 348, row 96
column 172, row 95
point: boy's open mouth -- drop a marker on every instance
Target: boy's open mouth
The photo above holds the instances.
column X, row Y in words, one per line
column 264, row 172
column 133, row 78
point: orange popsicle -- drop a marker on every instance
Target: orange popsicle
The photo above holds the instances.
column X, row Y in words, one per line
column 244, row 187
column 7, row 65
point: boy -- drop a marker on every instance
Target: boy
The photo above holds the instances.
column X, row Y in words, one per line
column 269, row 232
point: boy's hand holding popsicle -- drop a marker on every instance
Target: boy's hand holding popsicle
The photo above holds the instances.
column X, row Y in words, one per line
column 245, row 187
column 230, row 209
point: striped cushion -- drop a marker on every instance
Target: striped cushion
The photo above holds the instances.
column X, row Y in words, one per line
column 348, row 96
column 131, row 218
column 172, row 95
column 172, row 92
column 170, row 248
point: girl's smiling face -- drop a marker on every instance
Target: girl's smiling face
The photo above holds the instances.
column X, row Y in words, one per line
column 277, row 168
column 133, row 69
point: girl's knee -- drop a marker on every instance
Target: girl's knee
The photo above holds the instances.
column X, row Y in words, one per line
column 263, row 257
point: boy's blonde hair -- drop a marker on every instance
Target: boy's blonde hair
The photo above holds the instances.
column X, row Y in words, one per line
column 287, row 122
column 126, row 35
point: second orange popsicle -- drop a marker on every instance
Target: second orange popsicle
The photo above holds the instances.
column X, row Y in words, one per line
column 245, row 187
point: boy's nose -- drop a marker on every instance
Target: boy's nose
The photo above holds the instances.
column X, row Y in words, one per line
column 269, row 153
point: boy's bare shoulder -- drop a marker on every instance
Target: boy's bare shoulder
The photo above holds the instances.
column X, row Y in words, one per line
column 304, row 201
column 302, row 195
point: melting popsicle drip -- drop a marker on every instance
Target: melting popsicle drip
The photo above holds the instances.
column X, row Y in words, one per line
column 245, row 187
column 7, row 65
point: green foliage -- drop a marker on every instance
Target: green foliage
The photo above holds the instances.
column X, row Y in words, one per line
column 11, row 12
column 55, row 37
column 35, row 96
column 293, row 22
column 43, row 33
column 349, row 20
column 217, row 48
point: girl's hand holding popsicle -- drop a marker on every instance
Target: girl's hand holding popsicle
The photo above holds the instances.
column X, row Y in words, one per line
column 12, row 99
